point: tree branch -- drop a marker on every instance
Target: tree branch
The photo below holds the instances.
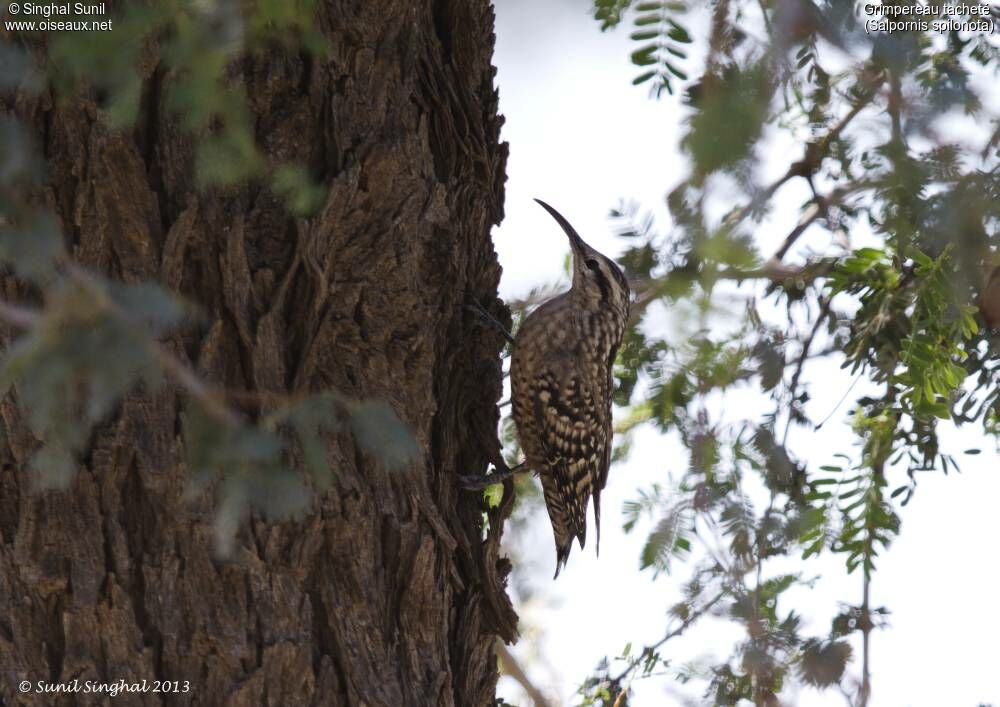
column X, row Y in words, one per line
column 819, row 206
column 805, row 167
column 650, row 649
column 814, row 212
column 764, row 196
column 866, row 631
column 773, row 268
column 509, row 664
column 210, row 398
column 824, row 312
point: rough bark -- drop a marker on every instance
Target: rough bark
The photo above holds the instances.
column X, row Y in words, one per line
column 385, row 593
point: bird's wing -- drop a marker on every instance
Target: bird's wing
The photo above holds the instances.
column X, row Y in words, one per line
column 602, row 401
column 568, row 417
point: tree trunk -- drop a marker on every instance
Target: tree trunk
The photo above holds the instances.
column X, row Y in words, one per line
column 385, row 593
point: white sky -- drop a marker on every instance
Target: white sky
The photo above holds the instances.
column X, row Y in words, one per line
column 582, row 137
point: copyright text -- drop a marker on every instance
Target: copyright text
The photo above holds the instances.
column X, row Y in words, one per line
column 111, row 689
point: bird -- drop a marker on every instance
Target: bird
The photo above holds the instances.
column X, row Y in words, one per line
column 561, row 389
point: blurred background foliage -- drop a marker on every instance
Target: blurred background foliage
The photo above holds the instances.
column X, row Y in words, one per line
column 79, row 342
column 892, row 272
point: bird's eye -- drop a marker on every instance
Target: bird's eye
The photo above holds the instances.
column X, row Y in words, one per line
column 592, row 264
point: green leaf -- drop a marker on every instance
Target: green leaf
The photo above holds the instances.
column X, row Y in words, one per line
column 310, row 417
column 32, row 246
column 643, row 77
column 53, row 467
column 228, row 158
column 148, row 304
column 730, row 116
column 279, row 492
column 644, row 56
column 666, row 541
column 380, row 432
column 233, row 506
column 823, row 663
column 493, row 495
column 675, row 71
column 303, row 197
column 899, row 490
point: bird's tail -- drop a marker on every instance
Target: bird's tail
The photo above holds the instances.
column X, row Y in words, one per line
column 597, row 519
column 568, row 514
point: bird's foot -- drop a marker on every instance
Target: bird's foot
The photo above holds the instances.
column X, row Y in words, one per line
column 488, row 318
column 478, row 483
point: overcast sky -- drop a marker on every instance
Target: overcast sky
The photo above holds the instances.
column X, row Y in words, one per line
column 582, row 137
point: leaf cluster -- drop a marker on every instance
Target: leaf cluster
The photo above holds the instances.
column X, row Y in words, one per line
column 197, row 52
column 885, row 274
column 79, row 344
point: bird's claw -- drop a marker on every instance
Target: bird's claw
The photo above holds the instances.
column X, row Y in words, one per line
column 481, row 312
column 478, row 483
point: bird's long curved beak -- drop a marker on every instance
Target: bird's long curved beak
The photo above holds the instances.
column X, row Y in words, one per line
column 574, row 238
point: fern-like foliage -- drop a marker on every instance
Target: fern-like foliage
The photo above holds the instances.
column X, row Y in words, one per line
column 661, row 37
column 887, row 273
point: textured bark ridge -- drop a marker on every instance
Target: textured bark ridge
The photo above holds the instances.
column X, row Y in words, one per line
column 385, row 594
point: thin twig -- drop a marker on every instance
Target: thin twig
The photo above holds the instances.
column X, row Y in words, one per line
column 17, row 316
column 757, row 629
column 717, row 537
column 839, row 402
column 894, row 103
column 510, row 666
column 837, row 129
column 647, row 292
column 764, row 196
column 820, row 206
column 773, row 268
column 210, row 398
column 804, row 167
column 866, row 630
column 767, row 20
column 815, row 211
column 878, row 473
column 824, row 312
column 650, row 649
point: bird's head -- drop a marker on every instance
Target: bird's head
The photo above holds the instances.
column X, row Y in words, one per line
column 596, row 277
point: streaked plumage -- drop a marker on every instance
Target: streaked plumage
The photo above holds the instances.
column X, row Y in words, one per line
column 561, row 388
